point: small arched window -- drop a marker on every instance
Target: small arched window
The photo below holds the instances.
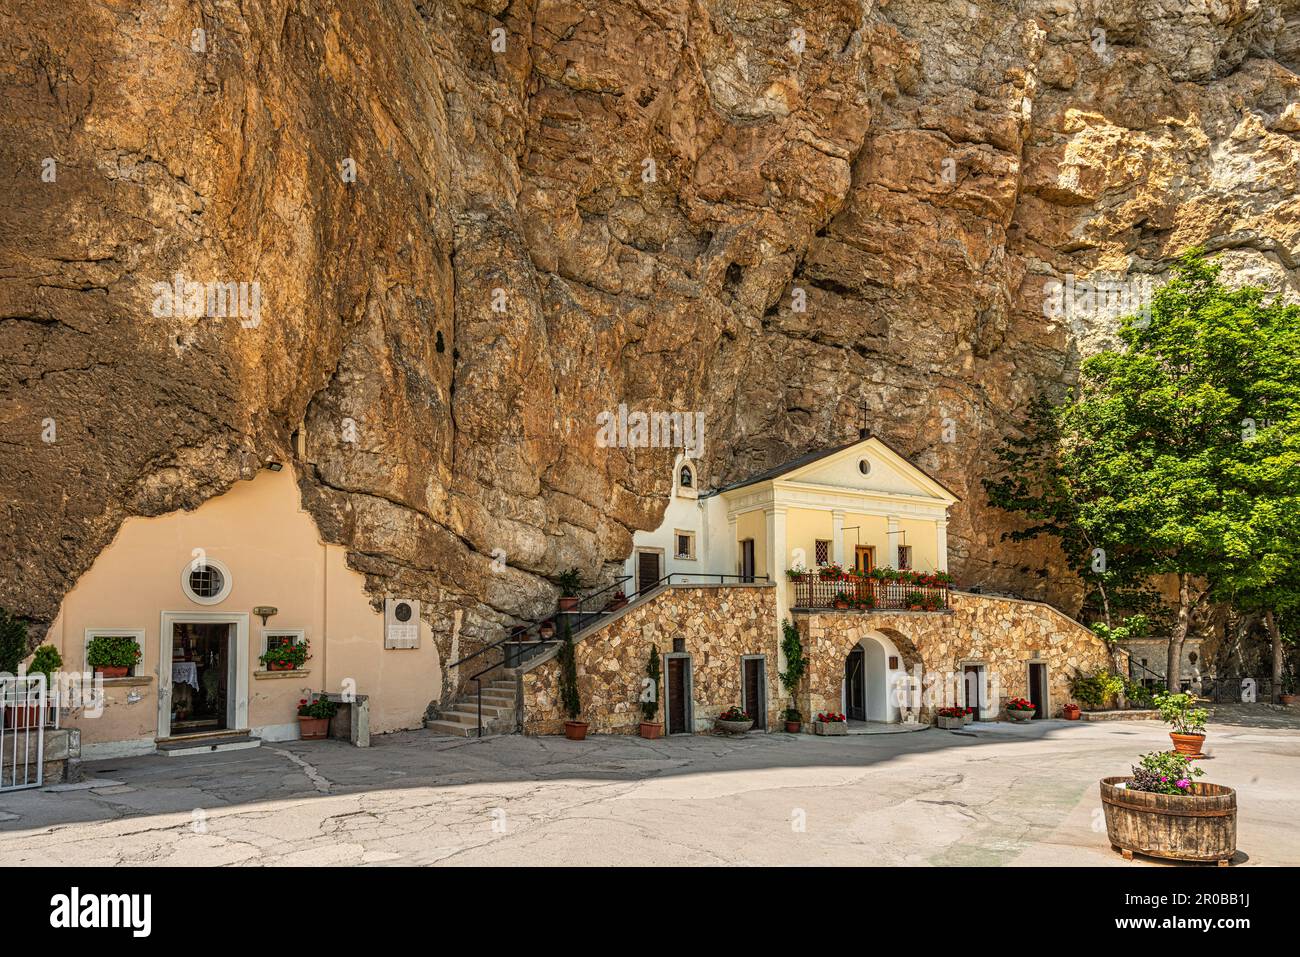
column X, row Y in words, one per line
column 687, row 480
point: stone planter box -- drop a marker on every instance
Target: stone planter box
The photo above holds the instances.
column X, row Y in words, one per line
column 1201, row 826
column 1020, row 715
column 968, row 718
column 950, row 724
column 732, row 727
column 831, row 727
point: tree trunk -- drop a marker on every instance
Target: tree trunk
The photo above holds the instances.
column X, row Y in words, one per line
column 1174, row 667
column 1275, row 633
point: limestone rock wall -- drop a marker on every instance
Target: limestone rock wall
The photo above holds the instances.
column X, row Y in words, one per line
column 1002, row 634
column 477, row 223
column 718, row 625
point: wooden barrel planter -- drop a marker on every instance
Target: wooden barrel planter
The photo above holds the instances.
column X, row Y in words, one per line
column 1201, row 826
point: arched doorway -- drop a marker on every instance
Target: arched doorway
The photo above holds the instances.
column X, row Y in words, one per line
column 867, row 679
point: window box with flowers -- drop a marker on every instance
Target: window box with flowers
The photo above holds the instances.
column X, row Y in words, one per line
column 830, row 722
column 314, row 718
column 288, row 655
column 734, row 721
column 1021, row 709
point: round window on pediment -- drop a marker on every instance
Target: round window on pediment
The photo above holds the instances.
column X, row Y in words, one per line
column 864, row 466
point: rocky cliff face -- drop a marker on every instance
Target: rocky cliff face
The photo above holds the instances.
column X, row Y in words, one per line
column 475, row 225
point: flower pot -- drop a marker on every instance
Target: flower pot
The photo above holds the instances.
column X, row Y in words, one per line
column 313, row 729
column 948, row 724
column 22, row 716
column 113, row 671
column 968, row 717
column 568, row 603
column 1287, row 699
column 792, row 727
column 1200, row 826
column 279, row 666
column 547, row 630
column 1020, row 715
column 1070, row 712
column 831, row 727
column 732, row 727
column 1188, row 744
column 915, row 608
column 617, row 603
column 841, row 605
column 650, row 730
column 575, row 730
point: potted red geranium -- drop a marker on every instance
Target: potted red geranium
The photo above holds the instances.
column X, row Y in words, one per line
column 949, row 719
column 1071, row 712
column 314, row 718
column 289, row 656
column 734, row 721
column 1021, row 709
column 830, row 723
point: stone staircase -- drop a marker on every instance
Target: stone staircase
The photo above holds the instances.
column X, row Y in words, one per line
column 500, row 697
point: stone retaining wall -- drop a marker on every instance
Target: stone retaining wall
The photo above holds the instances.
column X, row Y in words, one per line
column 719, row 625
column 1003, row 634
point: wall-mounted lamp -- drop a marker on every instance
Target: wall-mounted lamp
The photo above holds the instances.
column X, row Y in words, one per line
column 264, row 612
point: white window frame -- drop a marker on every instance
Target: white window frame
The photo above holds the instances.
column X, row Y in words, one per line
column 830, row 552
column 690, row 536
column 227, row 581
column 299, row 636
column 136, row 633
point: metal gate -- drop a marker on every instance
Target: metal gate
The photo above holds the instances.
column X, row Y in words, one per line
column 22, row 741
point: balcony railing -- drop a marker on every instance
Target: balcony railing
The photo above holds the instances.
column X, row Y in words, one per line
column 916, row 592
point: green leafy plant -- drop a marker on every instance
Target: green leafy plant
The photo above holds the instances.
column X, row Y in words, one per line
column 734, row 713
column 13, row 642
column 112, row 651
column 650, row 691
column 793, row 714
column 46, row 661
column 319, row 708
column 570, row 700
column 795, row 662
column 293, row 653
column 796, row 574
column 1138, row 694
column 570, row 582
column 1176, row 710
column 1095, row 691
column 1164, row 772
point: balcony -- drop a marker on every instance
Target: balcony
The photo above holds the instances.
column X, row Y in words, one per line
column 880, row 590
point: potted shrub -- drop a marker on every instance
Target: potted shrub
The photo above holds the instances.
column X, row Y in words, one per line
column 793, row 720
column 570, row 582
column 914, row 600
column 1288, row 695
column 314, row 718
column 831, row 722
column 950, row 718
column 570, row 700
column 830, row 572
column 1071, row 712
column 650, row 729
column 112, row 655
column 1097, row 690
column 842, row 599
column 733, row 721
column 289, row 656
column 1020, row 709
column 1162, row 811
column 796, row 574
column 1187, row 723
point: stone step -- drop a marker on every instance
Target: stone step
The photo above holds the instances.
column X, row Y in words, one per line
column 489, row 710
column 452, row 728
column 206, row 744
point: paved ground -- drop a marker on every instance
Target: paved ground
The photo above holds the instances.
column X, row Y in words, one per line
column 1004, row 794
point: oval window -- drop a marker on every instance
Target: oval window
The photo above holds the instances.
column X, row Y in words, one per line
column 205, row 582
column 864, row 467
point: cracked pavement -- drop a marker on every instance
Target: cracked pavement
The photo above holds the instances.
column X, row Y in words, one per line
column 998, row 795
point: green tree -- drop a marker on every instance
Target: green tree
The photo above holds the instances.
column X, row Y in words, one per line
column 1176, row 454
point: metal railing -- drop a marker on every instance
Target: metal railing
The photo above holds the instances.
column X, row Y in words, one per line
column 23, row 716
column 864, row 593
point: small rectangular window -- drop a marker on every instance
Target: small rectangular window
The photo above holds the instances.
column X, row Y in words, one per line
column 823, row 551
column 685, row 547
column 904, row 557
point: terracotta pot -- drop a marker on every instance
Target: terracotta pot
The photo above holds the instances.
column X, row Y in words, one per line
column 568, row 602
column 313, row 729
column 792, row 727
column 112, row 671
column 279, row 666
column 914, row 608
column 841, row 605
column 575, row 730
column 1287, row 699
column 1070, row 712
column 617, row 603
column 22, row 716
column 650, row 730
column 1188, row 744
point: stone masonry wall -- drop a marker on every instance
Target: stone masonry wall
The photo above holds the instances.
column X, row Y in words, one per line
column 719, row 625
column 1003, row 634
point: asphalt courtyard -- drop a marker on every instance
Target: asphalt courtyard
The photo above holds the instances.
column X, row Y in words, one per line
column 997, row 794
